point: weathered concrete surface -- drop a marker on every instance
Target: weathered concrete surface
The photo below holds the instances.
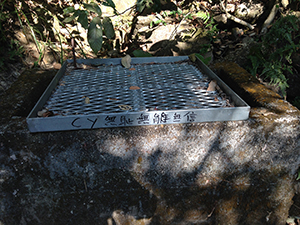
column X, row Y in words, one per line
column 206, row 173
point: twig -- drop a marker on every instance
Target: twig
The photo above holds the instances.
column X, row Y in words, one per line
column 235, row 19
column 209, row 215
column 270, row 18
column 175, row 30
column 118, row 14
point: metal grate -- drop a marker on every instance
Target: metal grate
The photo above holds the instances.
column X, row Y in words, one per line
column 158, row 90
column 106, row 89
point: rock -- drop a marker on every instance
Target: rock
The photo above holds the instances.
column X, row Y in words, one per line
column 237, row 32
column 146, row 20
column 21, row 37
column 56, row 65
column 248, row 12
column 221, row 18
column 284, row 3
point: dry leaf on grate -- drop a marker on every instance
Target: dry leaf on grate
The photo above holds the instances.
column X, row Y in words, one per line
column 87, row 100
column 125, row 107
column 212, row 86
column 134, row 88
column 126, row 60
column 45, row 113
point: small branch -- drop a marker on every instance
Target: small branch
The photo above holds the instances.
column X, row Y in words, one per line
column 270, row 18
column 211, row 212
column 235, row 19
column 119, row 14
column 175, row 30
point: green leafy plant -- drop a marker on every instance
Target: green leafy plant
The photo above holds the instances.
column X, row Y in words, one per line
column 212, row 29
column 204, row 49
column 10, row 49
column 271, row 58
column 97, row 26
column 33, row 32
column 203, row 59
column 202, row 15
column 141, row 53
column 296, row 102
column 156, row 22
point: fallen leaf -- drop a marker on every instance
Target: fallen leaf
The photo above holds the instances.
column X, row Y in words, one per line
column 125, row 107
column 114, row 99
column 87, row 100
column 192, row 57
column 45, row 113
column 125, row 61
column 41, row 113
column 132, row 68
column 134, row 88
column 212, row 86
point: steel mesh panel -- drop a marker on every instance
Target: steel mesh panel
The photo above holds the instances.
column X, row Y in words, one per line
column 155, row 90
column 165, row 86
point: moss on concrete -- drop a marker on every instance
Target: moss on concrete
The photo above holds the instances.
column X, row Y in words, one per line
column 255, row 93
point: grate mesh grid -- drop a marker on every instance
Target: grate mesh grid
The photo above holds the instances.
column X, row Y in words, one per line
column 143, row 87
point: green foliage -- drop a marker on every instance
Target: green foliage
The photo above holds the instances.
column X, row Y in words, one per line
column 156, row 22
column 97, row 26
column 296, row 102
column 204, row 49
column 95, row 34
column 10, row 49
column 32, row 31
column 271, row 58
column 204, row 60
column 141, row 53
column 212, row 29
column 202, row 15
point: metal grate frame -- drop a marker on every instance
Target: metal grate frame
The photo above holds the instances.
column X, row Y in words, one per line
column 155, row 90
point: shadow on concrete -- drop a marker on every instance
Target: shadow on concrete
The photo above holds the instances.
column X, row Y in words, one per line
column 240, row 195
column 72, row 185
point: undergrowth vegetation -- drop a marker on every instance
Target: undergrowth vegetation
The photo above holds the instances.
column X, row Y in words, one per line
column 271, row 58
column 10, row 49
column 49, row 27
column 97, row 26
